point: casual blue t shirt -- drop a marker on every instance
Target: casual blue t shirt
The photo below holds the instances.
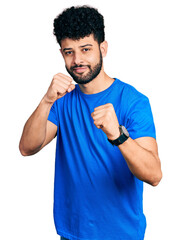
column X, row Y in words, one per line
column 96, row 196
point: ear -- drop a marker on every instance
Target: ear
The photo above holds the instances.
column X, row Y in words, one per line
column 104, row 47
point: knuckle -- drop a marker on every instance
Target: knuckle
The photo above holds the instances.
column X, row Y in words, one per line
column 55, row 76
column 54, row 81
column 109, row 105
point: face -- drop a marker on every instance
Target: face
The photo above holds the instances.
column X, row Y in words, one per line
column 83, row 58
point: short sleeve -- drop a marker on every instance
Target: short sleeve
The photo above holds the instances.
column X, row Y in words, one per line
column 53, row 114
column 140, row 122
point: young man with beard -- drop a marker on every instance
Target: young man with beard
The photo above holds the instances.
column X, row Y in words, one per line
column 106, row 145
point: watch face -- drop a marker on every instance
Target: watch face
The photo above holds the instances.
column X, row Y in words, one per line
column 124, row 131
column 122, row 138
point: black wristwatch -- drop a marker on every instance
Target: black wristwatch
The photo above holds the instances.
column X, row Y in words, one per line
column 124, row 135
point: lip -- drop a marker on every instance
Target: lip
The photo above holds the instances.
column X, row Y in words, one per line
column 80, row 69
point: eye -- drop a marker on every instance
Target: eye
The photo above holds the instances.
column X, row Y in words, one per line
column 86, row 49
column 68, row 53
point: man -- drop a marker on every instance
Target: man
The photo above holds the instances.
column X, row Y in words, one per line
column 106, row 145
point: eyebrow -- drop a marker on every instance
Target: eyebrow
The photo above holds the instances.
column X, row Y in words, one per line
column 86, row 45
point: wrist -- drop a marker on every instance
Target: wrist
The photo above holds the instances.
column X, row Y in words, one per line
column 46, row 105
column 46, row 102
column 114, row 135
column 123, row 136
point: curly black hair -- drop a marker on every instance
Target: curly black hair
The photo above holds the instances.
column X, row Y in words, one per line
column 79, row 22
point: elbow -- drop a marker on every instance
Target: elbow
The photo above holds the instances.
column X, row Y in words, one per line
column 22, row 151
column 24, row 154
column 157, row 176
column 154, row 184
column 28, row 152
column 156, row 180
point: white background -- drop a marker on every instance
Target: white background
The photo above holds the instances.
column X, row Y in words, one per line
column 144, row 40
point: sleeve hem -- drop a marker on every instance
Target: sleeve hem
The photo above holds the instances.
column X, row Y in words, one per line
column 52, row 120
column 143, row 135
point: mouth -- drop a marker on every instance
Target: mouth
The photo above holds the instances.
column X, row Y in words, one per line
column 80, row 69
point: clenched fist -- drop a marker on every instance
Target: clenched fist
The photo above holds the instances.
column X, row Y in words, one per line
column 60, row 85
column 105, row 118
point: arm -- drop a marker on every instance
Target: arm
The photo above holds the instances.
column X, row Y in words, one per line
column 140, row 154
column 38, row 131
column 142, row 158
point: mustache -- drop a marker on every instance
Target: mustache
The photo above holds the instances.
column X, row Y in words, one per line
column 77, row 66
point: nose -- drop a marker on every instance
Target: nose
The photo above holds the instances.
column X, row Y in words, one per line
column 77, row 60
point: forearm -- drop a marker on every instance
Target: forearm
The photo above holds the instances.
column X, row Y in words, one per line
column 34, row 131
column 144, row 164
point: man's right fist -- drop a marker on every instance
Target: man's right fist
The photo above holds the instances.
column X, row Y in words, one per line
column 60, row 85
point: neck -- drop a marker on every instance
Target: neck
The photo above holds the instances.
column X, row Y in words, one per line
column 98, row 84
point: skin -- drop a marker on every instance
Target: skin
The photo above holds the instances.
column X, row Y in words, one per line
column 140, row 154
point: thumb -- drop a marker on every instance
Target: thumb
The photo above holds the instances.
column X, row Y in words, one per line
column 71, row 87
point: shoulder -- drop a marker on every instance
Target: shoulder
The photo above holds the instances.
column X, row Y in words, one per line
column 130, row 90
column 133, row 103
column 130, row 94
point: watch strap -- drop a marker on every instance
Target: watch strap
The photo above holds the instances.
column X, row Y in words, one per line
column 120, row 140
column 124, row 135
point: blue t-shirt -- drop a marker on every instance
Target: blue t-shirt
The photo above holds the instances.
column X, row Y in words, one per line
column 96, row 196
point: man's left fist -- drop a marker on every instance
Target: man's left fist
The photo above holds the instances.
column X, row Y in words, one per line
column 105, row 118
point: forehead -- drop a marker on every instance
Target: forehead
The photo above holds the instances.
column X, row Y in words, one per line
column 70, row 43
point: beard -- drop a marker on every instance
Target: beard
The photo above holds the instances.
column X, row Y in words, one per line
column 93, row 72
